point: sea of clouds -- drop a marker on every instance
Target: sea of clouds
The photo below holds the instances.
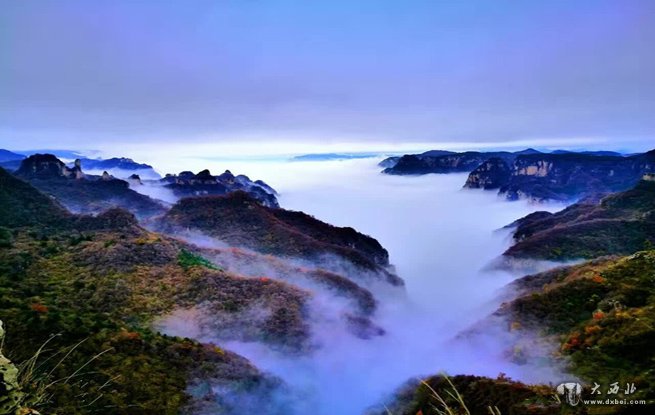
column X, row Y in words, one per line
column 441, row 239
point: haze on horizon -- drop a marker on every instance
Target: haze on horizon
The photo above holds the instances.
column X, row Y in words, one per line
column 330, row 75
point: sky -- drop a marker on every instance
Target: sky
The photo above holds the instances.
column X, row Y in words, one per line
column 296, row 76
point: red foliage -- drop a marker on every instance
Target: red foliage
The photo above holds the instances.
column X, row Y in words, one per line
column 125, row 335
column 598, row 315
column 39, row 308
column 598, row 278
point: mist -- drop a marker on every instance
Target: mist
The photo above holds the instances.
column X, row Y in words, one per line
column 441, row 239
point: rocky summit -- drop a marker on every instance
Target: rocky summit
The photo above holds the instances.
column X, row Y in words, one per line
column 83, row 193
column 188, row 184
column 530, row 174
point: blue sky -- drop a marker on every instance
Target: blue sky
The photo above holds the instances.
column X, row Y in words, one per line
column 375, row 73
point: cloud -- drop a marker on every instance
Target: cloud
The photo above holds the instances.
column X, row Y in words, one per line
column 89, row 72
column 440, row 238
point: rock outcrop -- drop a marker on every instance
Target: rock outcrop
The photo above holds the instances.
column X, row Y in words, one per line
column 411, row 164
column 569, row 176
column 188, row 184
column 530, row 174
column 47, row 166
column 562, row 176
column 82, row 193
column 11, row 397
column 120, row 167
column 491, row 174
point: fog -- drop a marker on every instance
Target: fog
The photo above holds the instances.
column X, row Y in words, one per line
column 441, row 239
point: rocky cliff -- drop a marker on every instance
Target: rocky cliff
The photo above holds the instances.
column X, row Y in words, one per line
column 121, row 167
column 188, row 184
column 410, row 164
column 569, row 176
column 491, row 174
column 83, row 193
column 561, row 176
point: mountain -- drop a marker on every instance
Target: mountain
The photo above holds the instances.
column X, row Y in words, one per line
column 480, row 394
column 240, row 220
column 413, row 164
column 65, row 154
column 561, row 177
column 437, row 153
column 121, row 167
column 103, row 285
column 188, row 184
column 389, row 162
column 83, row 193
column 6, row 155
column 117, row 295
column 600, row 315
column 22, row 205
column 442, row 161
column 589, row 153
column 114, row 163
column 491, row 174
column 332, row 156
column 622, row 223
column 528, row 151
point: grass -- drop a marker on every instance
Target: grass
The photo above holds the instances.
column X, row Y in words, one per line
column 188, row 259
column 35, row 380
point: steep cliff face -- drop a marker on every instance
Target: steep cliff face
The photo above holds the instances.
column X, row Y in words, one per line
column 47, row 166
column 82, row 193
column 240, row 220
column 389, row 162
column 568, row 176
column 188, row 184
column 443, row 163
column 561, row 176
column 491, row 174
column 621, row 223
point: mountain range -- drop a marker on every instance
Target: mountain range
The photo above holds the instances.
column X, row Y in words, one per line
column 115, row 275
column 563, row 176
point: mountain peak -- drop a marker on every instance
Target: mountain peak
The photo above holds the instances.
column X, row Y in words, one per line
column 47, row 166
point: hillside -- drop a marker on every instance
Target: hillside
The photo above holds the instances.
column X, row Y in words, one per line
column 82, row 193
column 20, row 205
column 621, row 223
column 103, row 282
column 601, row 314
column 240, row 220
